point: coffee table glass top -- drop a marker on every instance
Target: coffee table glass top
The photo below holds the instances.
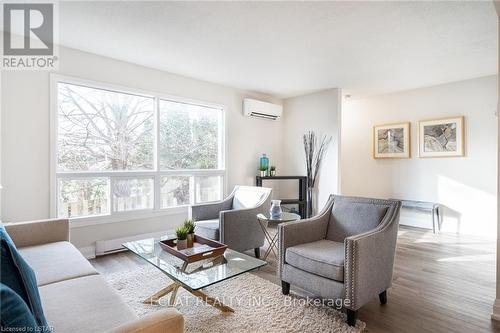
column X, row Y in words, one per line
column 196, row 275
column 284, row 217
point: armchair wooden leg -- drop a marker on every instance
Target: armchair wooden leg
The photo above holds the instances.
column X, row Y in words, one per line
column 257, row 252
column 285, row 288
column 351, row 317
column 383, row 297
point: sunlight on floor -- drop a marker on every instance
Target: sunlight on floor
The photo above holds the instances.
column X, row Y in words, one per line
column 490, row 257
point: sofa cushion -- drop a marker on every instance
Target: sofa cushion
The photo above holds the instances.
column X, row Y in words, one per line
column 15, row 316
column 18, row 276
column 208, row 229
column 323, row 257
column 350, row 218
column 85, row 304
column 58, row 261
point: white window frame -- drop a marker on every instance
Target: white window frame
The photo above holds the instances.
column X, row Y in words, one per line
column 156, row 173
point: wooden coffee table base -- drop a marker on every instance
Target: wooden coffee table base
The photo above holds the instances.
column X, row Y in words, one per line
column 153, row 299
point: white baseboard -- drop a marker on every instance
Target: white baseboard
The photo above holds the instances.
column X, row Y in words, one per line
column 88, row 252
column 496, row 310
column 108, row 246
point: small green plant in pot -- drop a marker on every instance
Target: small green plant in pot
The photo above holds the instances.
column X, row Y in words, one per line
column 262, row 170
column 181, row 233
column 272, row 171
column 189, row 225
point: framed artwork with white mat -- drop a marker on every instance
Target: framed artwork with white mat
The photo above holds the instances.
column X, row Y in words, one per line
column 444, row 137
column 391, row 141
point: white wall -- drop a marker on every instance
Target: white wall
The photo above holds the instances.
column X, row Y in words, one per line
column 25, row 136
column 319, row 112
column 465, row 185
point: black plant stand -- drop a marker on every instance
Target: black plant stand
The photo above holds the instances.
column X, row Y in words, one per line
column 301, row 201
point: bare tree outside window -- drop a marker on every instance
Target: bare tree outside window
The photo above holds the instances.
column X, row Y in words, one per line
column 101, row 131
column 189, row 136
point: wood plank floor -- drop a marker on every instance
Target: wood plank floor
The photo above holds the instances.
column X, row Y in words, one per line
column 442, row 283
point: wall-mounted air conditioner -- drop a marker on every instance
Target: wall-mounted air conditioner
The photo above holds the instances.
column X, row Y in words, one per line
column 255, row 108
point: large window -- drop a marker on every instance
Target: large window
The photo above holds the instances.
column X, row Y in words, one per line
column 119, row 151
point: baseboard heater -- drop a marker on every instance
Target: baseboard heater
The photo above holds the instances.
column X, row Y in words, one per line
column 109, row 246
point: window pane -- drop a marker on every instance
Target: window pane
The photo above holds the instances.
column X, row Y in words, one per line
column 175, row 191
column 103, row 130
column 189, row 136
column 133, row 194
column 83, row 197
column 208, row 189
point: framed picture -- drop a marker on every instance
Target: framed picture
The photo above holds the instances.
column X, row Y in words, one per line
column 391, row 141
column 441, row 137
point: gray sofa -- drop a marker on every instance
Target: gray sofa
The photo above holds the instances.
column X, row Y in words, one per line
column 233, row 221
column 75, row 298
column 346, row 252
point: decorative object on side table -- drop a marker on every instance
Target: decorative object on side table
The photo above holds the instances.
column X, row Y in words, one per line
column 301, row 200
column 272, row 171
column 314, row 154
column 391, row 141
column 262, row 171
column 189, row 225
column 263, row 165
column 181, row 233
column 441, row 137
column 275, row 210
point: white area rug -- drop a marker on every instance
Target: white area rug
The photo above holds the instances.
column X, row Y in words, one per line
column 259, row 305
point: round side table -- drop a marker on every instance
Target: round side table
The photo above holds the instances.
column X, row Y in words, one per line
column 265, row 219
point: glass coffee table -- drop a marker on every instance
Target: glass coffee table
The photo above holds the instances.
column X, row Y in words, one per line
column 195, row 276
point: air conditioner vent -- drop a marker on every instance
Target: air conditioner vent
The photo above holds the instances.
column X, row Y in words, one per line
column 260, row 109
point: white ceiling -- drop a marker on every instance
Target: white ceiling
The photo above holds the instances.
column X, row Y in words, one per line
column 292, row 48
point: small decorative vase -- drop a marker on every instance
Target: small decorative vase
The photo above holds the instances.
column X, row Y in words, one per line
column 311, row 202
column 181, row 244
column 275, row 210
column 264, row 162
column 262, row 173
column 190, row 240
column 273, row 173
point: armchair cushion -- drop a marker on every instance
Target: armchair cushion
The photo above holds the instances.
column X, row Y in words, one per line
column 247, row 197
column 208, row 229
column 324, row 258
column 350, row 217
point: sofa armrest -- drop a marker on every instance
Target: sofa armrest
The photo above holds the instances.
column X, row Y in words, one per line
column 164, row 321
column 38, row 232
column 301, row 232
column 369, row 260
column 209, row 211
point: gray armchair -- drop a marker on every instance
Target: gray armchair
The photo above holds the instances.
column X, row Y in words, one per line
column 233, row 221
column 346, row 252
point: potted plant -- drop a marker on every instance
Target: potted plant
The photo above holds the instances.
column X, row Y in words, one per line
column 263, row 170
column 181, row 233
column 189, row 226
column 273, row 171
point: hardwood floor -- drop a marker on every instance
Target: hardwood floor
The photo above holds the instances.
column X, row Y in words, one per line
column 442, row 283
